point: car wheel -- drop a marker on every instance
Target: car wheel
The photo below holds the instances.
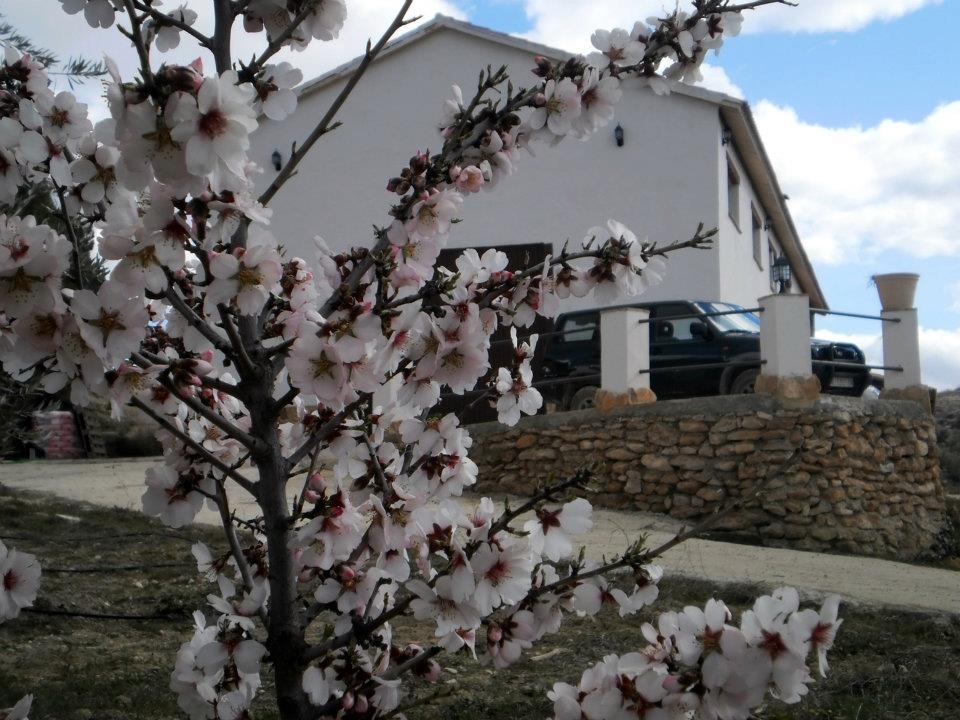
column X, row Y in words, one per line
column 743, row 384
column 584, row 398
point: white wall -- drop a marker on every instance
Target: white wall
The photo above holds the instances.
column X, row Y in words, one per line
column 661, row 183
column 742, row 279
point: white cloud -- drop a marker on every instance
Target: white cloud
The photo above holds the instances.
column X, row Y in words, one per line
column 716, row 78
column 857, row 192
column 939, row 353
column 831, row 15
column 567, row 23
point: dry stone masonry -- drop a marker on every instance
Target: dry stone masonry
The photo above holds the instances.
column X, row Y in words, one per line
column 866, row 480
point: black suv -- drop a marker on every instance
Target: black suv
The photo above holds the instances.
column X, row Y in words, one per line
column 683, row 334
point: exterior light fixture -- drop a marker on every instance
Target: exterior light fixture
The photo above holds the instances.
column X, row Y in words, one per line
column 726, row 135
column 768, row 224
column 618, row 135
column 781, row 273
column 277, row 160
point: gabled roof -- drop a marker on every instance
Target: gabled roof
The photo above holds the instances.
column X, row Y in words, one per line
column 734, row 113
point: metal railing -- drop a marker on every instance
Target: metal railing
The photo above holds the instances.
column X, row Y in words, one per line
column 691, row 316
column 819, row 311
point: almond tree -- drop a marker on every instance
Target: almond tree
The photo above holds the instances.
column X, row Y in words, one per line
column 245, row 357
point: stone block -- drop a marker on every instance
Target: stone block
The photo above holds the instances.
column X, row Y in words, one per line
column 605, row 400
column 792, row 391
column 525, row 441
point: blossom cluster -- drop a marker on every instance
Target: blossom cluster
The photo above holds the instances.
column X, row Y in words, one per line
column 698, row 664
column 217, row 672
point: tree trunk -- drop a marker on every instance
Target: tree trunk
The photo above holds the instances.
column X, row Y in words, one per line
column 285, row 641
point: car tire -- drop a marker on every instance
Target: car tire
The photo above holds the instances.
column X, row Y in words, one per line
column 584, row 398
column 743, row 384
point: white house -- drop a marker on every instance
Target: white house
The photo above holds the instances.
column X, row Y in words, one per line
column 693, row 156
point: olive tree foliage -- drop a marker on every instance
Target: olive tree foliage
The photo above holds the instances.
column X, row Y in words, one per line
column 320, row 377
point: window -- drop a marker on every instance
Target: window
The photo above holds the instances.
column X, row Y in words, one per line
column 664, row 330
column 733, row 192
column 578, row 329
column 756, row 230
column 772, row 256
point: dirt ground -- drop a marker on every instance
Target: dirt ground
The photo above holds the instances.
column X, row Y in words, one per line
column 859, row 580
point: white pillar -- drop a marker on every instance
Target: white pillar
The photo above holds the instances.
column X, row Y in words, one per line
column 624, row 350
column 901, row 347
column 785, row 336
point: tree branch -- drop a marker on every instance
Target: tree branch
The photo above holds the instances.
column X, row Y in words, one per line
column 195, row 446
column 164, row 19
column 244, row 363
column 321, row 434
column 198, row 323
column 136, row 37
column 323, row 126
column 250, row 442
column 71, row 231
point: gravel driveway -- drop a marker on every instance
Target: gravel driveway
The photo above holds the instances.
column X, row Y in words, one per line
column 858, row 579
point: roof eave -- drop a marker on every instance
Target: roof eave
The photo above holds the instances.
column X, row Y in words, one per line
column 746, row 137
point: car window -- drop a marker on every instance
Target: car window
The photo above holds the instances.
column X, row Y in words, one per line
column 672, row 330
column 577, row 329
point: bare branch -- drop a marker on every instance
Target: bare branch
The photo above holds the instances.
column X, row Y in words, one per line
column 324, row 126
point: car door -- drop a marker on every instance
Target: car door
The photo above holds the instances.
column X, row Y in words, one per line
column 576, row 346
column 674, row 349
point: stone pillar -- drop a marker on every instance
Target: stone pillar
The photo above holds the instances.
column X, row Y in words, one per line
column 624, row 352
column 787, row 371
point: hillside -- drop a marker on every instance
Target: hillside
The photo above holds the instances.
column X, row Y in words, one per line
column 947, row 415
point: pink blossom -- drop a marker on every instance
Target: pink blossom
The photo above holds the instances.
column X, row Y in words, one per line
column 19, row 581
column 559, row 107
column 216, row 130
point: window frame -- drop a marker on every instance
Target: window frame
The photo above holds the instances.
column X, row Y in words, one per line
column 733, row 192
column 756, row 234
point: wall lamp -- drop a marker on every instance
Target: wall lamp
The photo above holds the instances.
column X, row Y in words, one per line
column 618, row 135
column 726, row 135
column 781, row 273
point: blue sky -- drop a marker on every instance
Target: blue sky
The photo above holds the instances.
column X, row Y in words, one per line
column 857, row 102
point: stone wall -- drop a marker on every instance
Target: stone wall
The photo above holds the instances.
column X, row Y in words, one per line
column 866, row 479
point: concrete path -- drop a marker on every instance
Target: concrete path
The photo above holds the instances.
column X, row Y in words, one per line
column 119, row 483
